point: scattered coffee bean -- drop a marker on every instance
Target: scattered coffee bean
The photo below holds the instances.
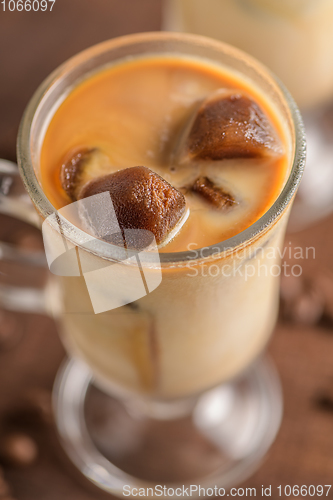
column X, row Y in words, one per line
column 308, row 300
column 308, row 308
column 323, row 282
column 38, row 402
column 325, row 402
column 18, row 450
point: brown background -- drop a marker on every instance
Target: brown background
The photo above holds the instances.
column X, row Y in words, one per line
column 31, row 46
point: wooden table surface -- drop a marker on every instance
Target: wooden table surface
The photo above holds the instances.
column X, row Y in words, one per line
column 31, row 46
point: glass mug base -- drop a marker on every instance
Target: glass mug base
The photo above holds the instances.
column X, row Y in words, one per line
column 219, row 444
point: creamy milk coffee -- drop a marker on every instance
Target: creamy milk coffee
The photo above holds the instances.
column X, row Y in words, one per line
column 194, row 153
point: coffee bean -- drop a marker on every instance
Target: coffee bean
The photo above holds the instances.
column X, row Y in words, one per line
column 306, row 300
column 18, row 450
column 323, row 282
column 308, row 308
column 325, row 402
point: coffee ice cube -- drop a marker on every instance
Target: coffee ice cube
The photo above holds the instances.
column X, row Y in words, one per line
column 214, row 195
column 80, row 166
column 230, row 124
column 142, row 200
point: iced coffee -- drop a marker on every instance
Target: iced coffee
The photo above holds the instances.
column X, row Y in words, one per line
column 194, row 153
column 294, row 38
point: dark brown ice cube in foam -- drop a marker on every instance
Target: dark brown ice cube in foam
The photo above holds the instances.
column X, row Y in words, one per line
column 229, row 124
column 141, row 199
column 79, row 167
column 214, row 195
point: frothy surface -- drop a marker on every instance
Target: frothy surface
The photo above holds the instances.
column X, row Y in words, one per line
column 136, row 112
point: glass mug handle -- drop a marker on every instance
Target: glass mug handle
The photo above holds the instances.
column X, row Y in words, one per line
column 15, row 202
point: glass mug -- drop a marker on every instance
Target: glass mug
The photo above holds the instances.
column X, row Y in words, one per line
column 293, row 37
column 183, row 363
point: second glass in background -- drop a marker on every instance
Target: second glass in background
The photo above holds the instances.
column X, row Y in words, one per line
column 294, row 38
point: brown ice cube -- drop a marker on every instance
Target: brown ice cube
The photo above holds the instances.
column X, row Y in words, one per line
column 80, row 166
column 141, row 199
column 230, row 124
column 213, row 194
column 18, row 449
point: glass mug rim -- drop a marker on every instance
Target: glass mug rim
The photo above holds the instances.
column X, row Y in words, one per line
column 105, row 250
